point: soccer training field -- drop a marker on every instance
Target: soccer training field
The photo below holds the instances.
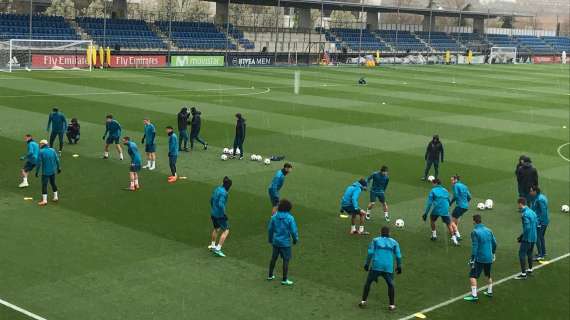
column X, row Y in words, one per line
column 106, row 253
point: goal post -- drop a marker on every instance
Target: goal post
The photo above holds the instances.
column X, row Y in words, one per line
column 40, row 54
column 503, row 55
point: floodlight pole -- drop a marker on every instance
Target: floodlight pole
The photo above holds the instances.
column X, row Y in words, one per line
column 276, row 30
column 459, row 37
column 30, row 35
column 169, row 29
column 361, row 27
column 104, row 23
column 228, row 33
column 430, row 24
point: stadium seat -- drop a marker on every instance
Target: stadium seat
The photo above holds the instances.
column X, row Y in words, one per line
column 126, row 33
column 17, row 26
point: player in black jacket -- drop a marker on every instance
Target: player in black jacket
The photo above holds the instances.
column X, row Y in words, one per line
column 527, row 176
column 196, row 124
column 240, row 135
column 183, row 129
column 434, row 154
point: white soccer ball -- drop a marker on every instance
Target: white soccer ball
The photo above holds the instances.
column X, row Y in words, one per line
column 226, row 151
column 481, row 206
column 488, row 204
column 399, row 223
column 565, row 208
column 267, row 161
column 224, row 157
column 253, row 157
column 431, row 178
column 258, row 158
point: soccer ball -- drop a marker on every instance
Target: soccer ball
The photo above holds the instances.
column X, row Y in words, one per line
column 431, row 178
column 253, row 157
column 481, row 206
column 565, row 208
column 224, row 157
column 488, row 204
column 258, row 157
column 267, row 161
column 226, row 151
column 399, row 223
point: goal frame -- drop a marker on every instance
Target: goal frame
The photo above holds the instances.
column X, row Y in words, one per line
column 30, row 49
column 503, row 51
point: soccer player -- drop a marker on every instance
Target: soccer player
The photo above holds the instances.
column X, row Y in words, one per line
column 483, row 247
column 31, row 157
column 438, row 198
column 240, row 136
column 381, row 253
column 113, row 128
column 527, row 176
column 172, row 153
column 73, row 131
column 58, row 124
column 527, row 239
column 219, row 218
column 282, row 232
column 276, row 185
column 434, row 152
column 48, row 162
column 183, row 128
column 461, row 197
column 349, row 205
column 380, row 181
column 149, row 145
column 195, row 125
column 540, row 207
column 135, row 166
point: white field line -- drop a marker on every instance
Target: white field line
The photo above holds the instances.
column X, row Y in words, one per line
column 495, row 283
column 23, row 311
column 560, row 149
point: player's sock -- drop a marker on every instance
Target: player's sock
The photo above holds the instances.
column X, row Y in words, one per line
column 153, row 164
column 137, row 183
column 120, row 156
column 25, row 180
column 132, row 184
column 106, row 154
column 55, row 197
column 213, row 244
column 490, row 288
column 44, row 197
column 219, row 247
column 474, row 291
column 454, row 239
column 457, row 234
column 434, row 234
column 352, row 229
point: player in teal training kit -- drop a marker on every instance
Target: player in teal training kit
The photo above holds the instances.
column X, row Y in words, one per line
column 349, row 206
column 283, row 233
column 461, row 197
column 540, row 207
column 379, row 181
column 135, row 165
column 219, row 217
column 438, row 203
column 149, row 145
column 483, row 248
column 58, row 125
column 380, row 263
column 276, row 185
column 172, row 153
column 112, row 135
column 48, row 163
column 527, row 239
column 31, row 157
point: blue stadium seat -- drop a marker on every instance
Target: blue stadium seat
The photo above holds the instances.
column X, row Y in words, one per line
column 126, row 33
column 17, row 26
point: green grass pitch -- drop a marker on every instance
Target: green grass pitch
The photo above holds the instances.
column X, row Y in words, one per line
column 104, row 253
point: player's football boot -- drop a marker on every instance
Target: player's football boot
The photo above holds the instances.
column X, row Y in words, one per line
column 287, row 282
column 363, row 304
column 270, row 278
column 391, row 307
column 23, row 185
column 488, row 294
column 219, row 253
column 471, row 298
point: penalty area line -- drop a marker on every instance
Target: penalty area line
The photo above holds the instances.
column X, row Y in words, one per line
column 21, row 310
column 496, row 283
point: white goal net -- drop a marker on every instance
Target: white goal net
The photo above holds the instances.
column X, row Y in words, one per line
column 22, row 54
column 503, row 55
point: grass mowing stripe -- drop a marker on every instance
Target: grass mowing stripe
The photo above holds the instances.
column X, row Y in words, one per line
column 496, row 283
column 21, row 310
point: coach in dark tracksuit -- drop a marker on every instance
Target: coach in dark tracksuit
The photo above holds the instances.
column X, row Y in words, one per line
column 196, row 124
column 183, row 129
column 527, row 176
column 240, row 135
column 434, row 154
